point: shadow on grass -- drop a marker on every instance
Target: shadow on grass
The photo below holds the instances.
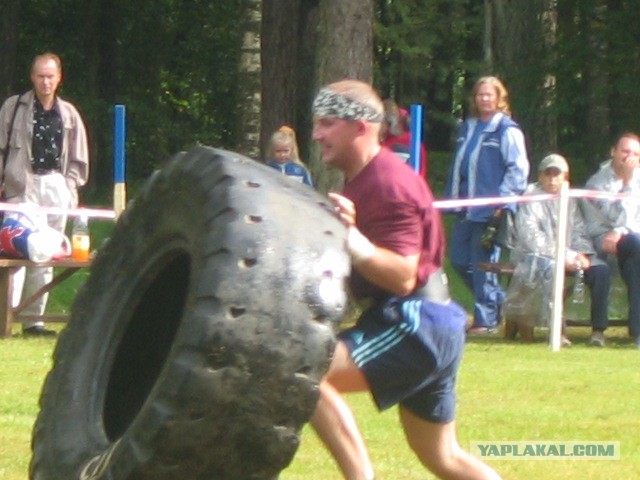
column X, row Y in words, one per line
column 616, row 338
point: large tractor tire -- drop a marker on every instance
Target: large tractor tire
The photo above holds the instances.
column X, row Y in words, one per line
column 195, row 348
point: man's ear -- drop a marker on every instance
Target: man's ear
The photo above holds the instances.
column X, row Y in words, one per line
column 362, row 127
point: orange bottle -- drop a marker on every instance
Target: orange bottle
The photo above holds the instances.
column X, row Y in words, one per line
column 80, row 241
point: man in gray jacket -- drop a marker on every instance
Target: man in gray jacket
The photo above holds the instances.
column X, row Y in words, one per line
column 530, row 289
column 614, row 223
column 47, row 160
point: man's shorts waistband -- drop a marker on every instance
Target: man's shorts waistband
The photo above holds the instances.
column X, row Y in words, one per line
column 435, row 290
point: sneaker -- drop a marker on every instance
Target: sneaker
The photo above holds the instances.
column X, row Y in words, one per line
column 566, row 342
column 38, row 331
column 481, row 331
column 597, row 339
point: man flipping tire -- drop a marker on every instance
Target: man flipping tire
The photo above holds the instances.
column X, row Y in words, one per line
column 406, row 346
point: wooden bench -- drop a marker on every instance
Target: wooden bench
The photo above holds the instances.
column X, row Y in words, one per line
column 10, row 314
column 507, row 270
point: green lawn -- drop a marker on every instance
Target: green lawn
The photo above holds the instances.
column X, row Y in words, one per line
column 507, row 392
column 25, row 362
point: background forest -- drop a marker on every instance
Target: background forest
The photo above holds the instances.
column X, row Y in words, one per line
column 228, row 72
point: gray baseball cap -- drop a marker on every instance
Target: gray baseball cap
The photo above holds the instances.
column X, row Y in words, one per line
column 554, row 161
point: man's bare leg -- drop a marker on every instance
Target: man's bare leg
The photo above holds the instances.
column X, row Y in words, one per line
column 437, row 448
column 335, row 425
column 334, row 422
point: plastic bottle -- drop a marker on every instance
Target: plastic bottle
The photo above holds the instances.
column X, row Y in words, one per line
column 578, row 287
column 80, row 241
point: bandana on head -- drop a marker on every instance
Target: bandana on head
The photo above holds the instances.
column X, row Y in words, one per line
column 331, row 104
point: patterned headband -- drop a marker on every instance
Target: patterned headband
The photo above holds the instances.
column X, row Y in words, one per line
column 331, row 104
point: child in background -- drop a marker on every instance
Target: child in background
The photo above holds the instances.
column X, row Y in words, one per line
column 395, row 133
column 282, row 155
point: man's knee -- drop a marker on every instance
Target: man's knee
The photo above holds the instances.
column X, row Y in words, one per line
column 629, row 246
column 599, row 275
column 434, row 443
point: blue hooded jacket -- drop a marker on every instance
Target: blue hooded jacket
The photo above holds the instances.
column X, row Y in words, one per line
column 498, row 165
column 294, row 170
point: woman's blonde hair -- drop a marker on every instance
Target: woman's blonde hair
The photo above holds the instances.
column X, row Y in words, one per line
column 501, row 92
column 285, row 135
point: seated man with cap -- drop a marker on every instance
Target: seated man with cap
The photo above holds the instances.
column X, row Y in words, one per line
column 530, row 289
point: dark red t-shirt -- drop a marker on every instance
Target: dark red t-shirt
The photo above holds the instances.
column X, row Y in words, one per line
column 394, row 210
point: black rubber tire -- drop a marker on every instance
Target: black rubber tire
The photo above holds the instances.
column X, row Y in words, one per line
column 195, row 348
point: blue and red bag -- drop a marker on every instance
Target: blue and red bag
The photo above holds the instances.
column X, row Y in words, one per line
column 21, row 237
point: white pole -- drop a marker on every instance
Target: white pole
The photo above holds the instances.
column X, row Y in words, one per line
column 558, row 273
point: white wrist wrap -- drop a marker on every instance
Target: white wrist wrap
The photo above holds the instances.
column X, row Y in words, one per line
column 359, row 246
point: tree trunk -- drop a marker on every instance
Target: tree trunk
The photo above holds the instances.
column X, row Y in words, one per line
column 307, row 54
column 345, row 50
column 345, row 40
column 100, row 81
column 548, row 122
column 521, row 50
column 279, row 63
column 9, row 22
column 249, row 78
column 597, row 80
column 487, row 38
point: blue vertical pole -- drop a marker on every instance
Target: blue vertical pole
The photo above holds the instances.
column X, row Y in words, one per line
column 416, row 136
column 119, row 140
column 119, row 185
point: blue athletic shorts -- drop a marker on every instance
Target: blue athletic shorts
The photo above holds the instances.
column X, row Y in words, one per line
column 409, row 350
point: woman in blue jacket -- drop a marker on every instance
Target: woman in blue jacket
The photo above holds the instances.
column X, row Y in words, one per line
column 490, row 161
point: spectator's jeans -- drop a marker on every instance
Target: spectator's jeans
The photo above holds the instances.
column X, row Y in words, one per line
column 629, row 264
column 465, row 252
column 598, row 278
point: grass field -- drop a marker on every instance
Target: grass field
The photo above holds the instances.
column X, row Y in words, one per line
column 507, row 392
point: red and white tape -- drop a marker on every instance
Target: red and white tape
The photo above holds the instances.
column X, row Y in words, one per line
column 73, row 212
column 484, row 201
column 440, row 204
